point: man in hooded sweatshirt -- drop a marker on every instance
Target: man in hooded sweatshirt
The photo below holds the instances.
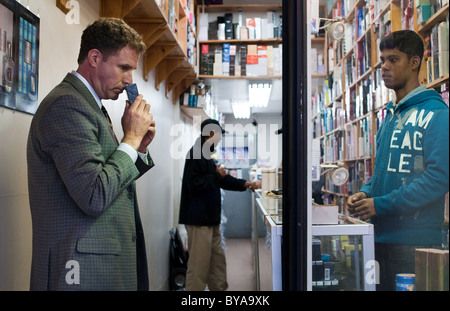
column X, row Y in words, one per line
column 405, row 198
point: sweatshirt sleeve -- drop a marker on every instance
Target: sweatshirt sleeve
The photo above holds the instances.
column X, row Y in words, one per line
column 433, row 182
column 228, row 182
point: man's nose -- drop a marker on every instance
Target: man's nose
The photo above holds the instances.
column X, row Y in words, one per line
column 128, row 78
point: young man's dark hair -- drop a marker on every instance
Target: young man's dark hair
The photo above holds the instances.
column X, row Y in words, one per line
column 406, row 41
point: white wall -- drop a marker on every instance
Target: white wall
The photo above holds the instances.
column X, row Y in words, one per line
column 158, row 190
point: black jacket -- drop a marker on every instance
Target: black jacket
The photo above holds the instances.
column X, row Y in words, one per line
column 200, row 192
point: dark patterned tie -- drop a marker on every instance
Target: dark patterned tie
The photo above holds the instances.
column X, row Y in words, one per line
column 110, row 124
column 107, row 116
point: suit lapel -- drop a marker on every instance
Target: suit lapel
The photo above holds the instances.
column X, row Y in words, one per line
column 87, row 95
column 83, row 90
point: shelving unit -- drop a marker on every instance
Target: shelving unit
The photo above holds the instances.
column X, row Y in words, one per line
column 320, row 44
column 165, row 32
column 251, row 10
column 349, row 111
column 424, row 31
column 239, row 13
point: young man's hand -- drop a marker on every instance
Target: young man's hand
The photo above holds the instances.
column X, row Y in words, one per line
column 361, row 206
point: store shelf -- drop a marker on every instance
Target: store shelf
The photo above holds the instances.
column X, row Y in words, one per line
column 439, row 16
column 241, row 77
column 438, row 82
column 165, row 36
column 248, row 41
column 352, row 70
column 233, row 8
column 195, row 112
column 250, row 10
column 425, row 30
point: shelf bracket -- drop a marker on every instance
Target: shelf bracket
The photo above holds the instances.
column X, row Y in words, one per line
column 175, row 78
column 150, row 29
column 117, row 8
column 155, row 55
column 166, row 67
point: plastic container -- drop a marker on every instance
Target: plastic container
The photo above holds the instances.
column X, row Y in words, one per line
column 405, row 282
column 268, row 181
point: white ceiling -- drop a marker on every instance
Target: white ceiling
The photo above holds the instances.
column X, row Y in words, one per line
column 224, row 91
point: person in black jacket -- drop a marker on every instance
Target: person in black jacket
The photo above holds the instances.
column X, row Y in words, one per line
column 200, row 210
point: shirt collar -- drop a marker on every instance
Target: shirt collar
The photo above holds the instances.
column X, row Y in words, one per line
column 90, row 88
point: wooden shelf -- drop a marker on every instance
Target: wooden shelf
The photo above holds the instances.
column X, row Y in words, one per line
column 234, row 8
column 352, row 156
column 248, row 41
column 166, row 42
column 438, row 17
column 257, row 9
column 241, row 77
column 195, row 112
column 424, row 30
column 438, row 82
column 344, row 125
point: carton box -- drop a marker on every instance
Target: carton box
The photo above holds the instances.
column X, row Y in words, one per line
column 324, row 214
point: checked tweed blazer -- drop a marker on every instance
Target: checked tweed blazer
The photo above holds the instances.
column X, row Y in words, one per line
column 87, row 232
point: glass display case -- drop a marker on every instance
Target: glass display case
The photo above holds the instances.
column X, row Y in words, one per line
column 342, row 257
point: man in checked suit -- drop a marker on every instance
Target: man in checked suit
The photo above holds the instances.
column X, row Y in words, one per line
column 87, row 232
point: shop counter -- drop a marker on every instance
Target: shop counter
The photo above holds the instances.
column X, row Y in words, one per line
column 335, row 263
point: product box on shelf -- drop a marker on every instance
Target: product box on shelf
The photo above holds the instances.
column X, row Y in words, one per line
column 324, row 214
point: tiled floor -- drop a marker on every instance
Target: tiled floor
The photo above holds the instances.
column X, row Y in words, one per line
column 240, row 267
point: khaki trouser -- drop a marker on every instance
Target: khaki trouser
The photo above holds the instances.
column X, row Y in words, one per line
column 206, row 264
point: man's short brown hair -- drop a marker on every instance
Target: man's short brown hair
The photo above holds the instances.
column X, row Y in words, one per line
column 109, row 35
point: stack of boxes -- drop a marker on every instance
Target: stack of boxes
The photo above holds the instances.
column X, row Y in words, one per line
column 431, row 270
column 229, row 59
column 331, row 256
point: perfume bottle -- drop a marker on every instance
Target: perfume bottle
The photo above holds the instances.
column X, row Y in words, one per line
column 8, row 69
column 32, row 81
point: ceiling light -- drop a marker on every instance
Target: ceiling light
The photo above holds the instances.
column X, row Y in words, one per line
column 241, row 109
column 259, row 94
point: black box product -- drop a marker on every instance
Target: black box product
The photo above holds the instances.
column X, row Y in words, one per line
column 316, row 252
column 212, row 30
column 228, row 26
column 328, row 271
column 243, row 52
column 317, row 270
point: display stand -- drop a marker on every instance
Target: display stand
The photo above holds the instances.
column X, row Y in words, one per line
column 267, row 249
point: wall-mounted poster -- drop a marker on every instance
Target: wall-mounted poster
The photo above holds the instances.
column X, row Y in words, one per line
column 19, row 57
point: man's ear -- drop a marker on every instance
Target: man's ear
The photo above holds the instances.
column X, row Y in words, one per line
column 94, row 57
column 415, row 62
